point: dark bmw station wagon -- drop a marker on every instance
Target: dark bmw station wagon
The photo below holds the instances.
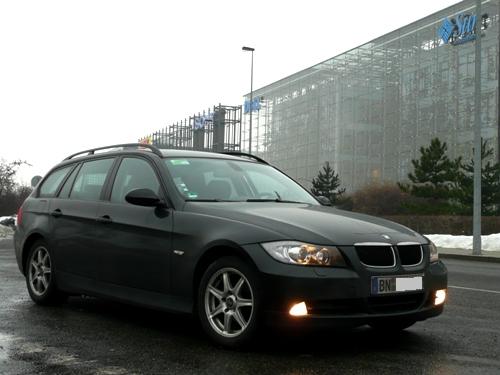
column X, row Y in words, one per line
column 226, row 237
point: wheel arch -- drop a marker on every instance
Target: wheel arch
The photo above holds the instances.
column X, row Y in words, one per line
column 30, row 240
column 210, row 255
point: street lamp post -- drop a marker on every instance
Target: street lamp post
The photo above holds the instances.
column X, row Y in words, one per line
column 251, row 99
column 476, row 215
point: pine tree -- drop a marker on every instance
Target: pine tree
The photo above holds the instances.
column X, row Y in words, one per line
column 327, row 184
column 490, row 184
column 434, row 173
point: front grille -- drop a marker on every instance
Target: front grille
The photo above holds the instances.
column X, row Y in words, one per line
column 410, row 255
column 376, row 255
column 398, row 303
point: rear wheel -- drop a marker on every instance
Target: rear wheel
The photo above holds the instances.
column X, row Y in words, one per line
column 40, row 278
column 228, row 302
column 392, row 324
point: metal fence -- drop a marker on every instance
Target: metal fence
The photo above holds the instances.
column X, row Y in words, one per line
column 218, row 129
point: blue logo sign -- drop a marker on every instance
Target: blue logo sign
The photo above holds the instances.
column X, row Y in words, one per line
column 460, row 29
column 201, row 121
column 255, row 106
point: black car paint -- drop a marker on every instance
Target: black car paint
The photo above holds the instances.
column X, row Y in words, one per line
column 133, row 256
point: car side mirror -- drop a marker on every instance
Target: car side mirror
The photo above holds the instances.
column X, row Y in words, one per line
column 144, row 197
column 323, row 200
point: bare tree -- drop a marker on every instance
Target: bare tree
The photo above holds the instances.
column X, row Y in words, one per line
column 12, row 195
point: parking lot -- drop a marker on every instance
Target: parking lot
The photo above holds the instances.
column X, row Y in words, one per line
column 93, row 336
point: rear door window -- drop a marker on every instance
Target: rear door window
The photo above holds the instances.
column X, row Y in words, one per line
column 51, row 184
column 134, row 173
column 90, row 180
column 66, row 189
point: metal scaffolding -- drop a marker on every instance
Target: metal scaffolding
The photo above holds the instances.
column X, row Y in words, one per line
column 369, row 110
column 217, row 130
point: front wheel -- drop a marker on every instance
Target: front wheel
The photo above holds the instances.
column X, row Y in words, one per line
column 228, row 302
column 40, row 278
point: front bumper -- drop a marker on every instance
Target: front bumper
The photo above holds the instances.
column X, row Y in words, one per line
column 281, row 320
column 342, row 296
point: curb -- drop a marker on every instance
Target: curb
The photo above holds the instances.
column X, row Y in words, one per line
column 475, row 258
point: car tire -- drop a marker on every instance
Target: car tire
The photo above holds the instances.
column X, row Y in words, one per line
column 40, row 276
column 228, row 302
column 392, row 324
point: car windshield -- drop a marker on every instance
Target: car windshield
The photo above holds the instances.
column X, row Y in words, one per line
column 207, row 179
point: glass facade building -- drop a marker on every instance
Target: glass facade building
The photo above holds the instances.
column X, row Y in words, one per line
column 369, row 110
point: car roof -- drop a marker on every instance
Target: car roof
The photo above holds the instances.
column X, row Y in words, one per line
column 172, row 153
column 136, row 148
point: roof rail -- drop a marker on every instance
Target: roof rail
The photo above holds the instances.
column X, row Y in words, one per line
column 154, row 149
column 246, row 155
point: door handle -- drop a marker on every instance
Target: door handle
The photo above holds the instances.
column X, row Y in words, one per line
column 104, row 219
column 56, row 213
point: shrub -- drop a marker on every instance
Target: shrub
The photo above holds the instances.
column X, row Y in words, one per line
column 380, row 199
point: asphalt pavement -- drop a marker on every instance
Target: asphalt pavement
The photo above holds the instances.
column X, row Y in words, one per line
column 94, row 336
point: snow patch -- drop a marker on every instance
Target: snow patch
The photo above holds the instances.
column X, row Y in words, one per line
column 8, row 220
column 489, row 242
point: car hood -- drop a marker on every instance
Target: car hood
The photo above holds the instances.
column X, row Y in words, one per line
column 309, row 223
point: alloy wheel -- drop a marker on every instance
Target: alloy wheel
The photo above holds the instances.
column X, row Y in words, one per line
column 39, row 271
column 229, row 302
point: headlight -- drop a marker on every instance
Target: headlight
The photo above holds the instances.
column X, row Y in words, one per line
column 434, row 257
column 294, row 252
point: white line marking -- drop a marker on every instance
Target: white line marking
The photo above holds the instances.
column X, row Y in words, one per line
column 474, row 289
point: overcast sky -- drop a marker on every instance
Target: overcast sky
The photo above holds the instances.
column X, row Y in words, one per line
column 82, row 74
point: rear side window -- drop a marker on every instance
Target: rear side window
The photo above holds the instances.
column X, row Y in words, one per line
column 133, row 174
column 68, row 184
column 90, row 180
column 51, row 184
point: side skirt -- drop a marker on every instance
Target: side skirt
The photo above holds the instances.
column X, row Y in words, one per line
column 75, row 284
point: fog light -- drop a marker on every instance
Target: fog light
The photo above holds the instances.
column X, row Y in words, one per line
column 299, row 309
column 440, row 297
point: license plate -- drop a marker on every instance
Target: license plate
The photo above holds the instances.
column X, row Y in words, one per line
column 395, row 284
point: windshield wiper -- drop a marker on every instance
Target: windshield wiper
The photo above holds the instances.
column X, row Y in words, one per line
column 277, row 199
column 271, row 200
column 210, row 200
